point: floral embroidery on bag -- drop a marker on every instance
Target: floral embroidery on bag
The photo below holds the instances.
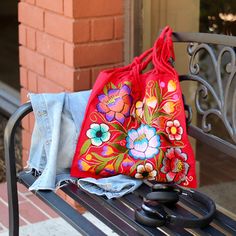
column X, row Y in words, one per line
column 139, row 109
column 152, row 102
column 174, row 130
column 130, row 140
column 143, row 143
column 98, row 133
column 135, row 122
column 146, row 172
column 116, row 104
column 175, row 166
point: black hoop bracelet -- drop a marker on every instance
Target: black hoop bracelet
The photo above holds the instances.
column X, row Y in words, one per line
column 153, row 213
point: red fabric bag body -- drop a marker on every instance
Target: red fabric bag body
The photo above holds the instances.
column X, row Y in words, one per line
column 135, row 122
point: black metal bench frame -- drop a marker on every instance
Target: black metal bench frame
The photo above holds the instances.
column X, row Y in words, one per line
column 119, row 214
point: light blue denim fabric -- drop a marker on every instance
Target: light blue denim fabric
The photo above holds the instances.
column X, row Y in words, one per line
column 111, row 187
column 58, row 119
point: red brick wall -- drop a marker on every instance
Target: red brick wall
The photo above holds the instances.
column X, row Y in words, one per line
column 64, row 44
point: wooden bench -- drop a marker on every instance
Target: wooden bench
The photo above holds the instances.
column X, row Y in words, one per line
column 119, row 214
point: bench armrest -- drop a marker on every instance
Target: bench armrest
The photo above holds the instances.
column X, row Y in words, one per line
column 10, row 161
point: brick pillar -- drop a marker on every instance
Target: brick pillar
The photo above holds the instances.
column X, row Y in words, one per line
column 64, row 44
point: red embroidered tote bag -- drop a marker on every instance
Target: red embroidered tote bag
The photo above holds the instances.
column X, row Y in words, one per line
column 135, row 122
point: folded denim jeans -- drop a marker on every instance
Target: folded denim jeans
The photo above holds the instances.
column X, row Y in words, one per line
column 111, row 187
column 58, row 119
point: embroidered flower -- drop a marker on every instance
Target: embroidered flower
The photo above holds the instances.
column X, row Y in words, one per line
column 169, row 107
column 83, row 166
column 171, row 86
column 110, row 169
column 143, row 143
column 139, row 109
column 116, row 105
column 145, row 172
column 127, row 162
column 174, row 130
column 98, row 133
column 175, row 166
column 89, row 157
column 152, row 102
column 106, row 151
column 175, row 97
column 162, row 84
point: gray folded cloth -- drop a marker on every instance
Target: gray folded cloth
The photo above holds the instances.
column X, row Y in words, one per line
column 111, row 187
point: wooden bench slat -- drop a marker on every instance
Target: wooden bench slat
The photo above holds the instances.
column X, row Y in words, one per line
column 103, row 214
column 73, row 217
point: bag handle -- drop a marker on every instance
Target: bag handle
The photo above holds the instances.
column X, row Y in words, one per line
column 163, row 51
column 159, row 54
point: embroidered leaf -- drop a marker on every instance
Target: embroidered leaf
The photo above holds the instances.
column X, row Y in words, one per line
column 135, row 166
column 120, row 137
column 118, row 162
column 146, row 114
column 105, row 90
column 128, row 83
column 158, row 114
column 159, row 160
column 161, row 133
column 99, row 168
column 159, row 96
column 118, row 127
column 166, row 141
column 85, row 146
column 113, row 86
column 179, row 144
column 100, row 158
column 119, row 147
column 137, row 119
column 155, row 115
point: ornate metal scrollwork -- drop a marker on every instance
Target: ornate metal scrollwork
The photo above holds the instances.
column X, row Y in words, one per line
column 219, row 90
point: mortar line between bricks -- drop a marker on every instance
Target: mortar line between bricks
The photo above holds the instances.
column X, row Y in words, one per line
column 42, row 211
column 99, row 42
column 85, row 17
column 70, row 17
column 98, row 66
column 5, row 203
column 22, row 218
column 3, row 227
column 90, row 43
column 68, row 41
column 81, row 18
column 95, row 17
column 24, row 201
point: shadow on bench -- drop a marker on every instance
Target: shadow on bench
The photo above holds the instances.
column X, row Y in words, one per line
column 212, row 97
